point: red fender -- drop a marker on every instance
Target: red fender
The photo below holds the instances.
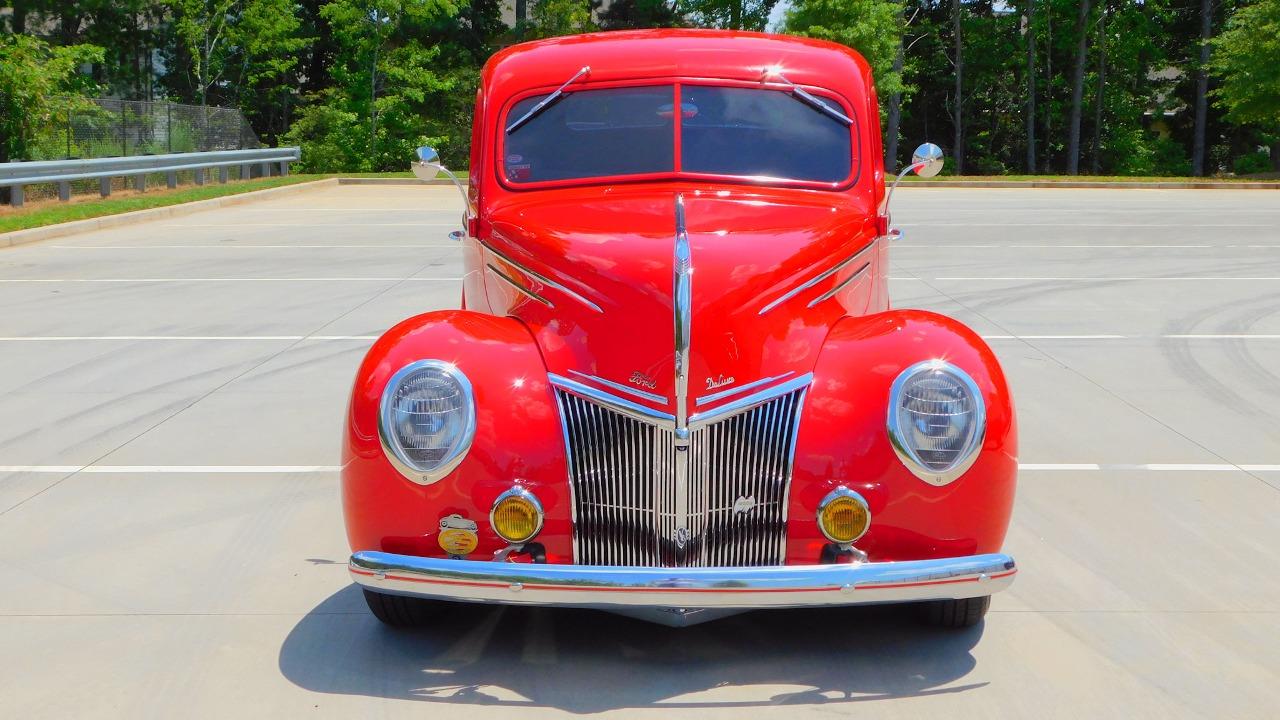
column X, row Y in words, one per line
column 518, row 440
column 842, row 441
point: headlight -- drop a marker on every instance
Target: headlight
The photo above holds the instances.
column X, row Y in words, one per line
column 936, row 420
column 427, row 419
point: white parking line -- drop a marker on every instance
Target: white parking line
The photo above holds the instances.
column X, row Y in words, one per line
column 288, row 469
column 232, row 246
column 183, row 469
column 1101, row 278
column 302, row 225
column 1067, row 225
column 234, row 338
column 217, row 280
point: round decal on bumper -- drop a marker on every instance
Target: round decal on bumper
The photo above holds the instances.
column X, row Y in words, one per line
column 457, row 535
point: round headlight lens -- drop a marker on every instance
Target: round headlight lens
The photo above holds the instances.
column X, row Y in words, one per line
column 937, row 420
column 427, row 419
column 843, row 516
column 516, row 516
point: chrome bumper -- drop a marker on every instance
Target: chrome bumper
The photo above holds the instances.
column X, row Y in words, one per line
column 730, row 588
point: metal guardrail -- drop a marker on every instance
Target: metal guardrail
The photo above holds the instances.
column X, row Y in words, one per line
column 15, row 175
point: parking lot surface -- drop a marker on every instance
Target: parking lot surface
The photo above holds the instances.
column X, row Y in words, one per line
column 171, row 544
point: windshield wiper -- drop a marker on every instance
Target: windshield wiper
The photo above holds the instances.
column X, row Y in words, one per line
column 809, row 98
column 546, row 101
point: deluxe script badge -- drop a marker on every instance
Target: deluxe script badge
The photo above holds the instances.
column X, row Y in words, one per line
column 457, row 535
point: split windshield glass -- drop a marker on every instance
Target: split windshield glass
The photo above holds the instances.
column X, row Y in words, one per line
column 748, row 132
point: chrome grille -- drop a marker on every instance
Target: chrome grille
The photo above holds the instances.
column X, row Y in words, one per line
column 629, row 510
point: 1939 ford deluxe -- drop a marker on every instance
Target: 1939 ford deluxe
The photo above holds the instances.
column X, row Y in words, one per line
column 676, row 388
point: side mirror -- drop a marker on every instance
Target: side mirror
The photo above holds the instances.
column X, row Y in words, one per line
column 927, row 160
column 428, row 167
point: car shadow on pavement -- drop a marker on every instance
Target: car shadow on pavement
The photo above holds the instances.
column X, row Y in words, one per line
column 585, row 661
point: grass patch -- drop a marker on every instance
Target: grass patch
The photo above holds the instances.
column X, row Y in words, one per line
column 52, row 212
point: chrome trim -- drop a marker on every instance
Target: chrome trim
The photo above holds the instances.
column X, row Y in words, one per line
column 840, row 285
column 651, row 397
column 595, row 586
column 524, row 494
column 539, row 277
column 817, row 278
column 613, row 402
column 546, row 101
column 391, row 445
column 741, row 389
column 518, row 287
column 682, row 302
column 742, row 405
column 843, row 492
column 965, row 459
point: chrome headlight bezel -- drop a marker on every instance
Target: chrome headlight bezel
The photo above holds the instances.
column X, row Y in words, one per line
column 898, row 436
column 391, row 446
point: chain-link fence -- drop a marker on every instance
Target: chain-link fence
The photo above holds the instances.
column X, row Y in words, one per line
column 115, row 128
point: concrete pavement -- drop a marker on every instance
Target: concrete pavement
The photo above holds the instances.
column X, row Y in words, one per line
column 199, row 366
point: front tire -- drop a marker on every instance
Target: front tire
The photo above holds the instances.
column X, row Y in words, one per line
column 956, row 614
column 402, row 612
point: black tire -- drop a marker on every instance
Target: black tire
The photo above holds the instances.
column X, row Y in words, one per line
column 400, row 611
column 962, row 613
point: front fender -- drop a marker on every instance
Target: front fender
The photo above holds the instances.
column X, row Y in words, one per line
column 518, row 440
column 842, row 440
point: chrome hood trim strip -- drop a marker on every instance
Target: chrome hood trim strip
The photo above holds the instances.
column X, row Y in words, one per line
column 517, row 286
column 744, row 404
column 817, row 278
column 651, row 397
column 741, row 389
column 539, row 277
column 613, row 402
column 860, row 272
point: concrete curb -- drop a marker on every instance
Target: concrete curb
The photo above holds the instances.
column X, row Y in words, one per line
column 392, row 181
column 1087, row 184
column 48, row 232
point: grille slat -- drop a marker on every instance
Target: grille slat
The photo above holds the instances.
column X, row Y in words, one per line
column 627, row 505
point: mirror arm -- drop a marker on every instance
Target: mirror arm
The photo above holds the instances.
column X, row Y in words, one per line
column 884, row 207
column 468, row 212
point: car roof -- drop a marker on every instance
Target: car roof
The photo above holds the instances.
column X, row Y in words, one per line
column 632, row 54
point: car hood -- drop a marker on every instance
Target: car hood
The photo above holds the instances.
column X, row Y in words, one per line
column 604, row 261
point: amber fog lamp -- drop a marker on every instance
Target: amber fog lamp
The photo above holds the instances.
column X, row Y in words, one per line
column 843, row 516
column 516, row 516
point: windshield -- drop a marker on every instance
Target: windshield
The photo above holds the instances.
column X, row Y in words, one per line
column 734, row 131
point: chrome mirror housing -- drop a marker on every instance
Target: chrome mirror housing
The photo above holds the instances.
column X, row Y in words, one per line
column 428, row 167
column 927, row 160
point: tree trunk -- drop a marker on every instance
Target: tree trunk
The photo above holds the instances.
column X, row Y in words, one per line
column 1202, row 88
column 1077, row 89
column 522, row 15
column 895, row 117
column 19, row 25
column 1275, row 155
column 1031, row 87
column 735, row 14
column 1102, row 79
column 958, row 149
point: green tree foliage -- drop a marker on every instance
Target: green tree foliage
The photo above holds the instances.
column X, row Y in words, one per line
column 391, row 88
column 551, row 18
column 38, row 85
column 872, row 27
column 1247, row 59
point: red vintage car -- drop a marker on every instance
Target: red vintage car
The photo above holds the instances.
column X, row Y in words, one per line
column 676, row 388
